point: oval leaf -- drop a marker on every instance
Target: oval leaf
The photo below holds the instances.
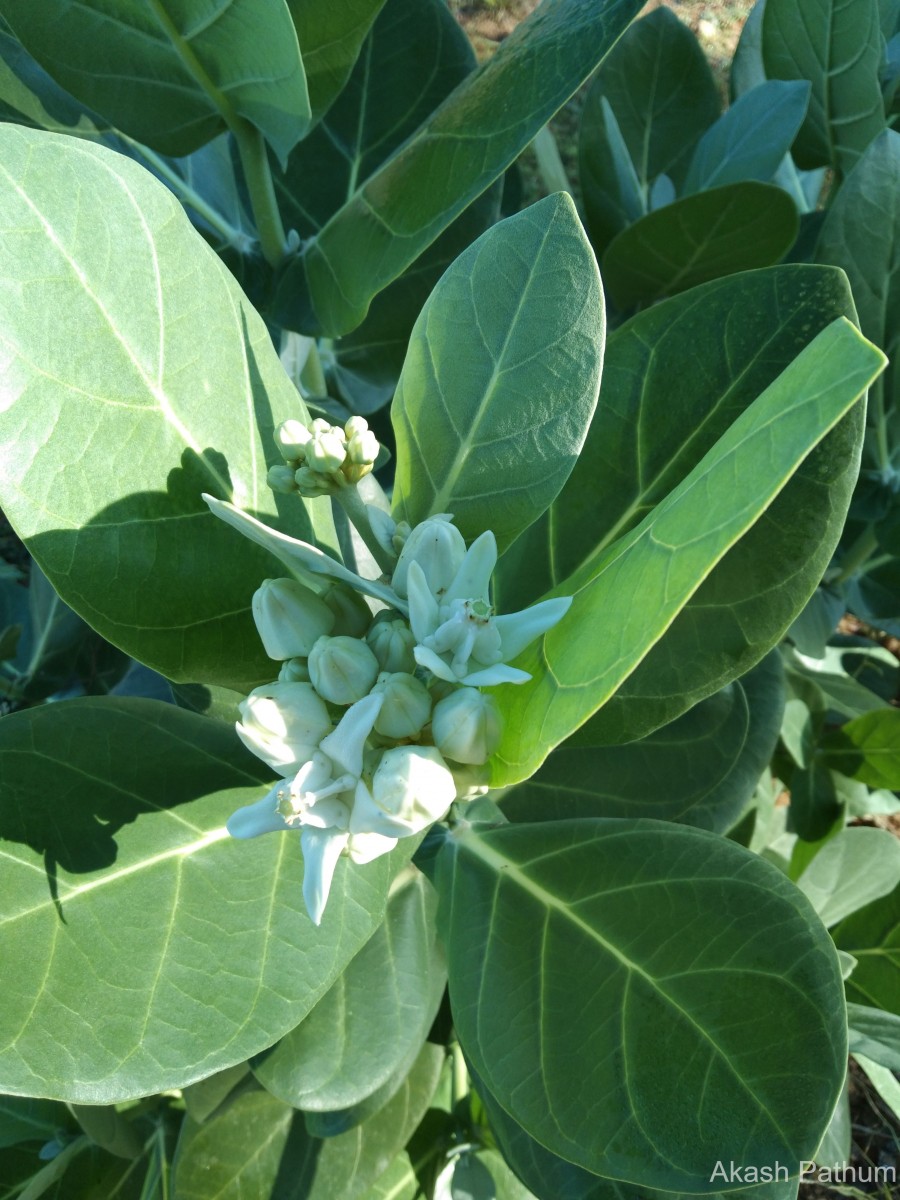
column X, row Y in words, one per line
column 644, row 953
column 159, row 382
column 124, row 895
column 483, row 428
column 187, row 75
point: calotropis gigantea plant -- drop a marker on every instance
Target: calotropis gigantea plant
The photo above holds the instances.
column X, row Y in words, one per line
column 636, row 995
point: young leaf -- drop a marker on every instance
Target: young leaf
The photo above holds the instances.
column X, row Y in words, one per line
column 330, row 37
column 872, row 937
column 675, row 377
column 700, row 770
column 875, row 1034
column 484, row 430
column 115, row 809
column 751, row 139
column 377, row 1012
column 658, row 83
column 837, row 47
column 867, row 748
column 187, row 75
column 160, row 382
column 850, row 870
column 635, row 589
column 398, row 212
column 861, row 234
column 726, row 229
column 642, row 951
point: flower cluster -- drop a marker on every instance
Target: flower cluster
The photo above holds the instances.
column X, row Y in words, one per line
column 321, row 457
column 376, row 720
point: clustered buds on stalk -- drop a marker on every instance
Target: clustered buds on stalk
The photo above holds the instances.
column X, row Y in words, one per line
column 376, row 723
column 320, row 457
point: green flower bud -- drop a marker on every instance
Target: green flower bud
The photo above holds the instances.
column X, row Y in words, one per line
column 402, row 530
column 354, row 426
column 292, row 437
column 326, row 450
column 283, row 723
column 392, row 642
column 294, row 670
column 290, row 618
column 281, row 479
column 439, row 549
column 411, row 789
column 342, row 669
column 352, row 616
column 466, row 726
column 406, row 708
column 311, row 483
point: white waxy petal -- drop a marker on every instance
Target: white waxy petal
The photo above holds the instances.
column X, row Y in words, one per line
column 424, row 613
column 473, row 579
column 261, row 817
column 518, row 630
column 345, row 745
column 489, row 676
column 321, row 850
column 435, row 664
column 366, row 847
column 296, row 553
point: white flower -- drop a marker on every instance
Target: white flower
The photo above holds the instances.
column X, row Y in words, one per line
column 289, row 618
column 319, row 802
column 458, row 638
column 438, row 548
column 411, row 789
column 283, row 723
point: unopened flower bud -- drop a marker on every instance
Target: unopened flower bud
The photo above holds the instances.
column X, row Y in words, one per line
column 354, row 426
column 402, row 530
column 406, row 707
column 295, row 670
column 283, row 723
column 363, row 448
column 392, row 642
column 411, row 789
column 292, row 437
column 352, row 616
column 326, row 450
column 342, row 669
column 466, row 726
column 312, row 483
column 438, row 547
column 281, row 479
column 290, row 618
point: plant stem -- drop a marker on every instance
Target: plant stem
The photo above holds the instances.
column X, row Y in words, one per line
column 255, row 161
column 550, row 164
column 858, row 554
column 190, row 198
column 352, row 504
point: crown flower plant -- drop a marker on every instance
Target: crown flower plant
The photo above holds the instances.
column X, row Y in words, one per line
column 361, row 786
column 427, row 754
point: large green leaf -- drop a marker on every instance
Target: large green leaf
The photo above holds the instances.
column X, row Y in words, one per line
column 330, row 33
column 256, row 1146
column 643, row 952
column 553, row 1178
column 837, row 47
column 171, row 73
column 752, row 137
column 700, row 770
column 861, row 234
column 124, row 896
column 484, row 430
column 874, row 1033
column 675, row 378
column 733, row 228
column 374, row 1017
column 872, row 936
column 399, row 211
column 867, row 748
column 130, row 341
column 377, row 111
column 634, row 589
column 659, row 86
column 855, row 867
